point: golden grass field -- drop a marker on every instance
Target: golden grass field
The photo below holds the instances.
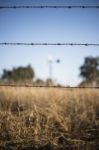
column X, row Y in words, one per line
column 49, row 118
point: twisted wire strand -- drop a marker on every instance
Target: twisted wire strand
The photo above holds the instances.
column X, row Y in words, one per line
column 49, row 44
column 40, row 86
column 46, row 6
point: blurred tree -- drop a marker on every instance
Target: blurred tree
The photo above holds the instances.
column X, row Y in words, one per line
column 49, row 82
column 22, row 74
column 89, row 71
column 39, row 82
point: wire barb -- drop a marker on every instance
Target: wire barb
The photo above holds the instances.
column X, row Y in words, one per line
column 50, row 44
column 46, row 6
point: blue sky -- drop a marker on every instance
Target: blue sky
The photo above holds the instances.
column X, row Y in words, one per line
column 49, row 25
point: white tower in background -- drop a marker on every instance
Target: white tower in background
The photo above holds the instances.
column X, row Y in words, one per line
column 50, row 62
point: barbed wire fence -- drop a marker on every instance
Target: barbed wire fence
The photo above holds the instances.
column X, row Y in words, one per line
column 50, row 44
column 46, row 44
column 48, row 6
column 45, row 86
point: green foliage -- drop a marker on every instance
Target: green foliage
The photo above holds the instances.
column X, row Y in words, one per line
column 25, row 74
column 49, row 82
column 39, row 82
column 89, row 71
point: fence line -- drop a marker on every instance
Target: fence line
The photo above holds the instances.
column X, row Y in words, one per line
column 40, row 86
column 48, row 6
column 50, row 44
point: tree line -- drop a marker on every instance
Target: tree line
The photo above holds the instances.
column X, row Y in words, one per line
column 24, row 75
column 89, row 71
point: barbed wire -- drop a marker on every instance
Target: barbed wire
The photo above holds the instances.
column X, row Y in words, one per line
column 46, row 6
column 50, row 44
column 40, row 86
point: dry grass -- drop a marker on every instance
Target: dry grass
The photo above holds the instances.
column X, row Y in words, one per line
column 40, row 118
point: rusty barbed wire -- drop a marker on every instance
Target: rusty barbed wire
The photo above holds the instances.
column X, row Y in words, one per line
column 47, row 6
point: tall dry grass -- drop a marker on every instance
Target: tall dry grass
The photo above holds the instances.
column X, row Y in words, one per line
column 40, row 118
